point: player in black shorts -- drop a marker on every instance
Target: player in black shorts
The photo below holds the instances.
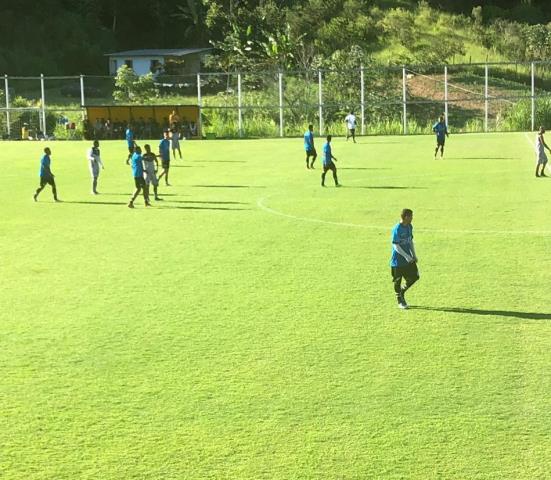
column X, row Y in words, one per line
column 46, row 175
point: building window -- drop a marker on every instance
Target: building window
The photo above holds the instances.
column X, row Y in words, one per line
column 129, row 64
column 154, row 66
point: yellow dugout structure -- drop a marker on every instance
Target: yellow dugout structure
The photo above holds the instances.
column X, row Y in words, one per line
column 188, row 115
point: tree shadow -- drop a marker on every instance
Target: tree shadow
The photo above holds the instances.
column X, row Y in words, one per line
column 478, row 311
column 227, row 186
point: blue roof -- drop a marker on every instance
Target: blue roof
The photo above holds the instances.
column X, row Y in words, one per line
column 158, row 52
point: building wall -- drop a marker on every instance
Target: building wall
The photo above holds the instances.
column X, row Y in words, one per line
column 141, row 65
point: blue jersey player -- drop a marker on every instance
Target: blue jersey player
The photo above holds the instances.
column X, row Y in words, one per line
column 46, row 175
column 309, row 146
column 328, row 163
column 164, row 153
column 441, row 130
column 130, row 142
column 403, row 263
column 139, row 181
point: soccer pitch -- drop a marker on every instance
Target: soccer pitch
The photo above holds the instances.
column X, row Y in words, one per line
column 246, row 326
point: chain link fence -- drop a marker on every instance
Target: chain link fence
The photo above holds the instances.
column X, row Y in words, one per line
column 393, row 100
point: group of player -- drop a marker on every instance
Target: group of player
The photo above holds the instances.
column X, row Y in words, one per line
column 144, row 166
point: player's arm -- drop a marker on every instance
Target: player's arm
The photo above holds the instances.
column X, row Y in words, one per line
column 398, row 248
column 413, row 251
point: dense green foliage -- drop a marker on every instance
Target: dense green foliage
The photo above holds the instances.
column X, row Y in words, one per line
column 67, row 37
column 207, row 338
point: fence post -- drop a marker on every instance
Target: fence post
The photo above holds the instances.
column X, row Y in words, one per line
column 240, row 114
column 362, row 97
column 533, row 95
column 8, row 120
column 43, row 102
column 280, row 81
column 446, row 93
column 320, row 101
column 404, row 103
column 82, row 90
column 486, row 98
column 199, row 104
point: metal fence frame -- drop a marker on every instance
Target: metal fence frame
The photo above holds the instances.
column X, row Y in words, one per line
column 404, row 103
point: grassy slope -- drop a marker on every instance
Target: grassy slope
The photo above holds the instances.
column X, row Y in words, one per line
column 207, row 338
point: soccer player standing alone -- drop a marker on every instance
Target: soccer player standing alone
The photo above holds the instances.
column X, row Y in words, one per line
column 441, row 130
column 46, row 175
column 350, row 120
column 309, row 146
column 164, row 153
column 95, row 162
column 540, row 152
column 403, row 264
column 328, row 163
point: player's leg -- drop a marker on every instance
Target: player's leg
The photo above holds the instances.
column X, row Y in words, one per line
column 411, row 275
column 334, row 170
column 307, row 157
column 323, row 175
column 136, row 193
column 314, row 156
column 145, row 191
column 54, row 189
column 180, row 152
column 537, row 169
column 397, row 282
column 353, row 135
column 347, row 134
column 39, row 189
column 542, row 174
column 442, row 150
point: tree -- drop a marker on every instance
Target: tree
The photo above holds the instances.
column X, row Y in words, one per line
column 130, row 87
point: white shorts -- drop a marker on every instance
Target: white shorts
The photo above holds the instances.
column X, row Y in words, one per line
column 541, row 159
column 94, row 168
column 175, row 144
column 151, row 178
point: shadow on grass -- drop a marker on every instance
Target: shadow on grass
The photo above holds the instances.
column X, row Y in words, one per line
column 213, row 202
column 95, row 203
column 196, row 207
column 497, row 313
column 481, row 158
column 186, row 166
column 219, row 161
column 389, row 187
column 227, row 186
column 129, row 194
column 363, row 168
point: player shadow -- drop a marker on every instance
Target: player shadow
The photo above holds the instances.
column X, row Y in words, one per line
column 363, row 168
column 228, row 186
column 482, row 158
column 478, row 311
column 186, row 166
column 130, row 194
column 196, row 207
column 82, row 202
column 219, row 161
column 387, row 187
column 209, row 202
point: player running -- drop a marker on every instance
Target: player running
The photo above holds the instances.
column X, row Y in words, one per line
column 328, row 163
column 350, row 120
column 541, row 158
column 164, row 153
column 94, row 163
column 150, row 166
column 403, row 263
column 46, row 175
column 441, row 130
column 137, row 172
column 309, row 146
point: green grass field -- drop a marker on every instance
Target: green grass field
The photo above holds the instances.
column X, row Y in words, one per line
column 246, row 326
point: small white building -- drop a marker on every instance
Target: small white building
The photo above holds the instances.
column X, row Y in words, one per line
column 188, row 60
